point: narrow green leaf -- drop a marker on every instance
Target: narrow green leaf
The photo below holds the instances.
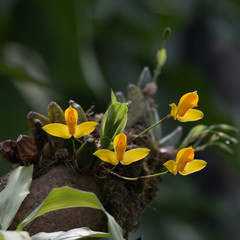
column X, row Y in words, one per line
column 194, row 133
column 14, row 235
column 113, row 97
column 74, row 234
column 151, row 117
column 172, row 139
column 114, row 228
column 14, row 193
column 223, row 147
column 223, row 127
column 227, row 137
column 144, row 78
column 137, row 108
column 66, row 197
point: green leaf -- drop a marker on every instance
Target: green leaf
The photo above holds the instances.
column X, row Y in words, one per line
column 113, row 97
column 151, row 117
column 105, row 142
column 114, row 228
column 14, row 193
column 194, row 133
column 137, row 108
column 66, row 197
column 226, row 137
column 14, row 235
column 55, row 113
column 144, row 78
column 74, row 234
column 172, row 139
column 81, row 114
column 114, row 121
column 223, row 147
column 223, row 127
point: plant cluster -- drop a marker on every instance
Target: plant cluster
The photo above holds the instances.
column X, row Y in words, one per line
column 127, row 133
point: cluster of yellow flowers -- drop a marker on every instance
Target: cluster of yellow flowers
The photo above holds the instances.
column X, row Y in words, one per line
column 185, row 163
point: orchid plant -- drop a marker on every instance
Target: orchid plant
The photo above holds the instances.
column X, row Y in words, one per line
column 184, row 112
column 103, row 142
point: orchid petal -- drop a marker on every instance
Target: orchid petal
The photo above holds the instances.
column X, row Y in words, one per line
column 184, row 156
column 173, row 110
column 185, row 153
column 106, row 156
column 57, row 130
column 120, row 145
column 191, row 115
column 193, row 166
column 84, row 129
column 73, row 110
column 187, row 101
column 116, row 140
column 134, row 155
column 171, row 166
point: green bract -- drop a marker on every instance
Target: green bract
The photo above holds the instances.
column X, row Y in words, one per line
column 161, row 56
column 113, row 123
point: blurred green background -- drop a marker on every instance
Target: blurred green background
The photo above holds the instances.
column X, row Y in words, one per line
column 65, row 49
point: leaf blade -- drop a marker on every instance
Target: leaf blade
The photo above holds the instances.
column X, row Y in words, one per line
column 65, row 197
column 73, row 234
column 18, row 185
column 114, row 121
column 9, row 235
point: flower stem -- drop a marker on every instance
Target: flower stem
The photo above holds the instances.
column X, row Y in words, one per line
column 74, row 153
column 154, row 125
column 109, row 171
column 141, row 177
column 157, row 72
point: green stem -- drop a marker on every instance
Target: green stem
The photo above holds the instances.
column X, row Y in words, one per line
column 157, row 72
column 109, row 171
column 202, row 147
column 141, row 177
column 154, row 125
column 74, row 153
column 201, row 137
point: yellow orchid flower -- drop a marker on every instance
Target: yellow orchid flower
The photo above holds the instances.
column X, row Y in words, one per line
column 184, row 112
column 71, row 128
column 120, row 154
column 185, row 163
